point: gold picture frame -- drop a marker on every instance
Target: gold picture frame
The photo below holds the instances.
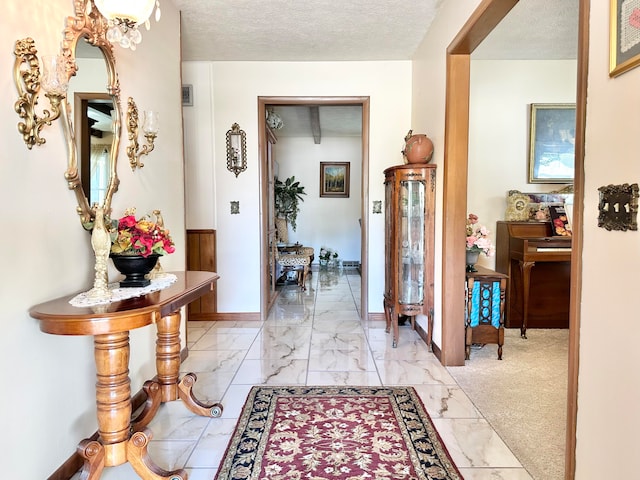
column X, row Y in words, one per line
column 334, row 179
column 552, row 128
column 624, row 41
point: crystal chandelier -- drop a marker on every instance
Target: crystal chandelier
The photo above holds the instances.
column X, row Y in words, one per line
column 124, row 17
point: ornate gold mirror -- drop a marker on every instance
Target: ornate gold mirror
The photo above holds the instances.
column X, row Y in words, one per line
column 93, row 101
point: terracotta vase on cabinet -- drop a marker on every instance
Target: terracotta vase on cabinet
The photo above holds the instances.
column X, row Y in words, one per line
column 417, row 148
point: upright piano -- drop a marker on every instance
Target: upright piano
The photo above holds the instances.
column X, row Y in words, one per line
column 539, row 268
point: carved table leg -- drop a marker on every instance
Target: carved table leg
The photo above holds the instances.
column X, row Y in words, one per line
column 113, row 394
column 387, row 315
column 525, row 268
column 113, row 400
column 142, row 464
column 153, row 402
column 186, row 394
column 168, row 355
column 168, row 366
column 93, row 454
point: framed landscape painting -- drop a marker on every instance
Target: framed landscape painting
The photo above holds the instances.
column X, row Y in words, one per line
column 552, row 132
column 334, row 179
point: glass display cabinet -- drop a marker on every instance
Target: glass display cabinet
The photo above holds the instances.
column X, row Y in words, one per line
column 409, row 245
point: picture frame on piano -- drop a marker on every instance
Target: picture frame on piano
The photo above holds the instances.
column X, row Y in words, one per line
column 552, row 128
column 560, row 224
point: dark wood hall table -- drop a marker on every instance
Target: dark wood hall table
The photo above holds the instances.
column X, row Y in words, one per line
column 121, row 438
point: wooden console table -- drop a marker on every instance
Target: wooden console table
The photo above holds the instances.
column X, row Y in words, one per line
column 121, row 438
column 485, row 309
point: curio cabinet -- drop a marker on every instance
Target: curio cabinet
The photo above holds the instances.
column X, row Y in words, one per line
column 409, row 245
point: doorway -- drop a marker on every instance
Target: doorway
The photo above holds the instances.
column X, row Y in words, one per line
column 267, row 227
column 488, row 14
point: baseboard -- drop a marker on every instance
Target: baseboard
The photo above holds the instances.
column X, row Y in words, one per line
column 376, row 317
column 212, row 317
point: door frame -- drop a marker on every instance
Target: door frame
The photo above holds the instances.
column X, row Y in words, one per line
column 483, row 20
column 265, row 297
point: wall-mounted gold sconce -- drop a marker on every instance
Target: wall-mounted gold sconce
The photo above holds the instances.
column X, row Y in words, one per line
column 26, row 75
column 149, row 129
column 236, row 150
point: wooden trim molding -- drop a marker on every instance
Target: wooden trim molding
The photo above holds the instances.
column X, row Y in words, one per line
column 488, row 14
column 577, row 240
column 363, row 101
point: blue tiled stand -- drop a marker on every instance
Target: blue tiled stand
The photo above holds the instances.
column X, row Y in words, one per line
column 484, row 318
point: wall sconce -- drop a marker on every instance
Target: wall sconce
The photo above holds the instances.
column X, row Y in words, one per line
column 26, row 75
column 124, row 17
column 149, row 129
column 236, row 150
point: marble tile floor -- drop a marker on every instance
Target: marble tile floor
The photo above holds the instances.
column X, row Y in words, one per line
column 314, row 337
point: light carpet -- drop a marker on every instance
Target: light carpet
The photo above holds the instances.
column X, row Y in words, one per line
column 524, row 395
column 335, row 433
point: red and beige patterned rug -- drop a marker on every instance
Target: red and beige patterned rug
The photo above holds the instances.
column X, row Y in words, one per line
column 336, row 433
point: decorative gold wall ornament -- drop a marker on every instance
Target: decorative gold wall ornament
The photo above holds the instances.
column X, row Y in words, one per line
column 29, row 81
column 90, row 27
column 149, row 129
column 236, row 150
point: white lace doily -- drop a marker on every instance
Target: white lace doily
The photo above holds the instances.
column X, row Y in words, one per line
column 160, row 282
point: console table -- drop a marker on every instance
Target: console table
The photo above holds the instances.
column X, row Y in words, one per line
column 485, row 308
column 121, row 438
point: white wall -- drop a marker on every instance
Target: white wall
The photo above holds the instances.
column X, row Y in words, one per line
column 608, row 385
column 500, row 95
column 47, row 254
column 227, row 93
column 329, row 222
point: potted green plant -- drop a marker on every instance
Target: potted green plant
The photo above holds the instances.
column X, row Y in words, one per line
column 288, row 195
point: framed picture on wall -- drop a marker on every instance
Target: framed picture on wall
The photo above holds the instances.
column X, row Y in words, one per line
column 552, row 132
column 334, row 179
column 624, row 40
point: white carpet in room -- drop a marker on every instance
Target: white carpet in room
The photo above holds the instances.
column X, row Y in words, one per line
column 524, row 395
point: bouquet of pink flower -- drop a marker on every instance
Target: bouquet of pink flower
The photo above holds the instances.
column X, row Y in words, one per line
column 478, row 237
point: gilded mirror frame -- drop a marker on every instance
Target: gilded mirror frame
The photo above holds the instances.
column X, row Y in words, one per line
column 90, row 25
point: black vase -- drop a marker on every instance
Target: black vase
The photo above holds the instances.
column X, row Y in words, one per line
column 134, row 268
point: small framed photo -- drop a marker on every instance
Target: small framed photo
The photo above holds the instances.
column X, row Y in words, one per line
column 624, row 42
column 187, row 95
column 552, row 133
column 334, row 179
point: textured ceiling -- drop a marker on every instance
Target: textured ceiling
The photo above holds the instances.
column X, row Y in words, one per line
column 357, row 30
column 326, row 30
column 304, row 30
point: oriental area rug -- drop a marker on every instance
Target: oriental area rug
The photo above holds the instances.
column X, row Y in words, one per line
column 335, row 433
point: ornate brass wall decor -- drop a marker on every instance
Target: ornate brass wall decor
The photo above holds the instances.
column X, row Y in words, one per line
column 26, row 76
column 618, row 207
column 88, row 29
column 149, row 128
column 236, row 150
